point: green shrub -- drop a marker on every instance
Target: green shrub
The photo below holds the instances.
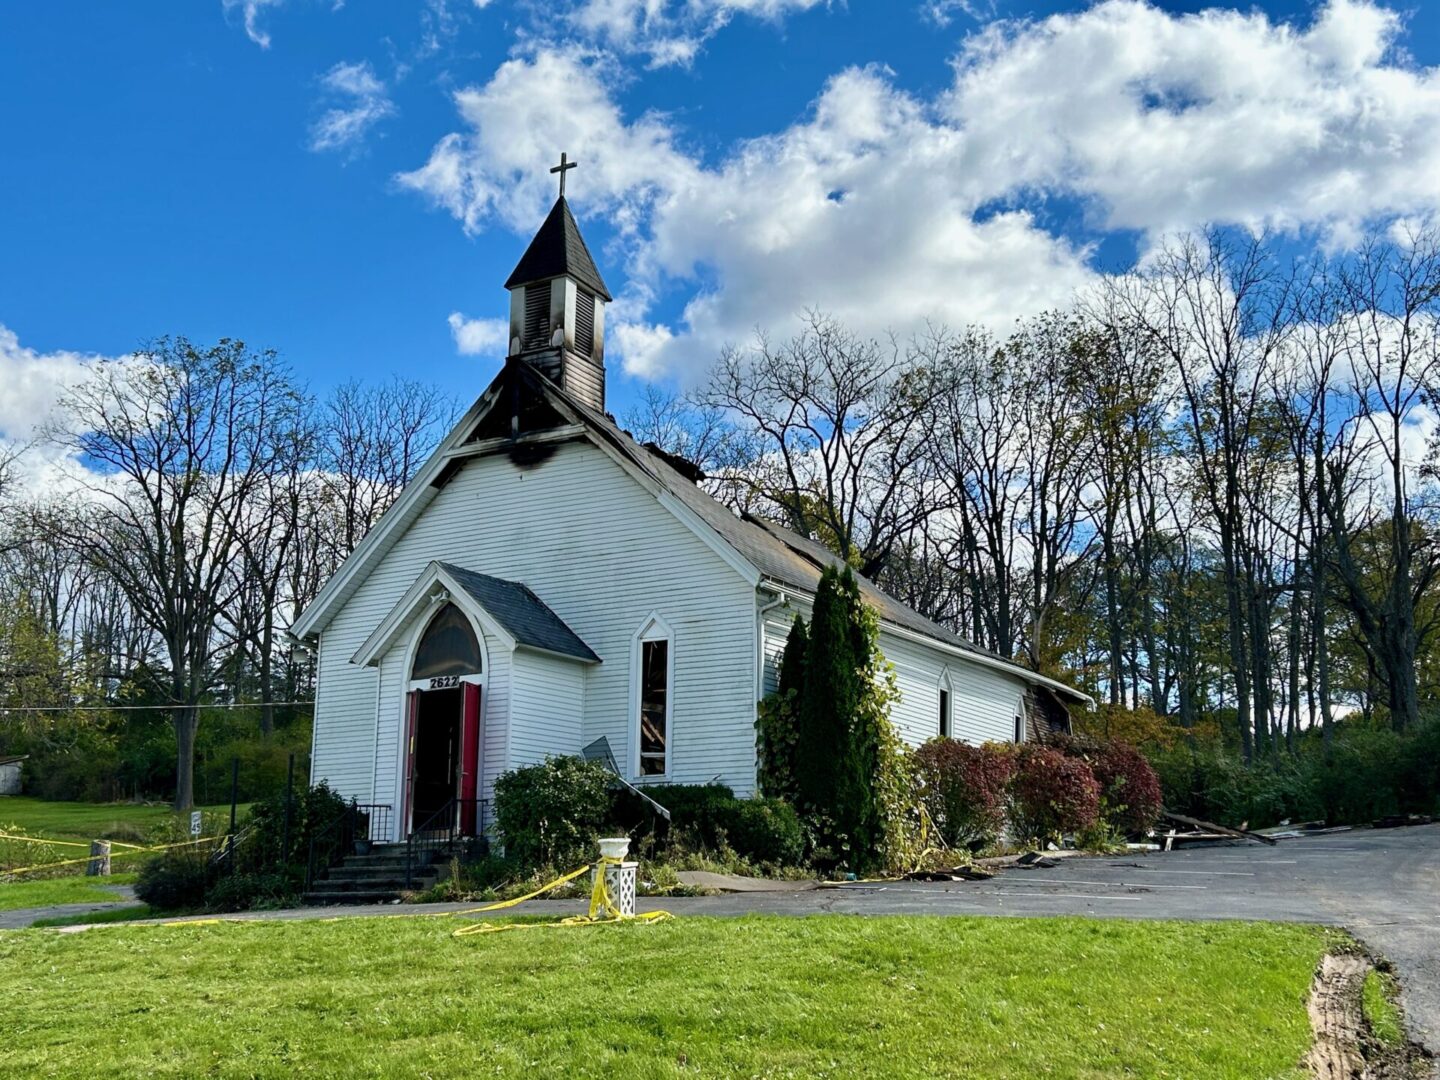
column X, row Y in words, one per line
column 552, row 813
column 964, row 789
column 765, row 831
column 175, row 880
column 243, row 892
column 708, row 817
column 313, row 812
column 697, row 811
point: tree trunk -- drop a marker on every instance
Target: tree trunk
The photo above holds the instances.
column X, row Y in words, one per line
column 185, row 719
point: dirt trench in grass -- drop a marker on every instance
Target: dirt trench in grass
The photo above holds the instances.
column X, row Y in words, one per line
column 1345, row 1046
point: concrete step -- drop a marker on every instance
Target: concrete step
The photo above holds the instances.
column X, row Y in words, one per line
column 396, row 857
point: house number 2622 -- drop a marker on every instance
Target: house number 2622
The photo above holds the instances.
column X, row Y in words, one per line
column 444, row 682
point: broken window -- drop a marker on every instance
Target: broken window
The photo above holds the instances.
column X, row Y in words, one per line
column 944, row 713
column 654, row 705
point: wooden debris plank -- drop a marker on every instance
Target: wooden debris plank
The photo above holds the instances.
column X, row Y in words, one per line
column 1211, row 827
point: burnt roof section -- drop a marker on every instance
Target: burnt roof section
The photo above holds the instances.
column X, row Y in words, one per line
column 525, row 617
column 558, row 250
column 782, row 556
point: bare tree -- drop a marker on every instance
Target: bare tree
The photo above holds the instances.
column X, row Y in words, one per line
column 1392, row 352
column 1216, row 307
column 702, row 435
column 373, row 440
column 185, row 437
column 842, row 425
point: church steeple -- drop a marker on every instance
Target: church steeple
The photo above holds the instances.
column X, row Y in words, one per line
column 557, row 305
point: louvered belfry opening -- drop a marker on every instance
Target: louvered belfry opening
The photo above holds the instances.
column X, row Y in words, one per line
column 557, row 309
column 537, row 315
column 584, row 322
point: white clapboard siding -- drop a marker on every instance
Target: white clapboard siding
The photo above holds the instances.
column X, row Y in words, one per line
column 983, row 701
column 547, row 707
column 604, row 555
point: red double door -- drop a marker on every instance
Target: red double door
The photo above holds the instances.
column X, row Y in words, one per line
column 442, row 769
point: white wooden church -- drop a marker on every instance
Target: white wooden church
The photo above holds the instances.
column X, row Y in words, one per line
column 546, row 582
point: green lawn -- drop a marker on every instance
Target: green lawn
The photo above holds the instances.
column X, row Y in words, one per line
column 837, row 996
column 65, row 890
column 91, row 821
column 1380, row 1010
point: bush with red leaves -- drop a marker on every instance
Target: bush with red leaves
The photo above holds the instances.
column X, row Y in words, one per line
column 1052, row 793
column 1131, row 789
column 964, row 789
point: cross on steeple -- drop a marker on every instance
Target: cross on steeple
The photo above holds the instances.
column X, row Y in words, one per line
column 562, row 169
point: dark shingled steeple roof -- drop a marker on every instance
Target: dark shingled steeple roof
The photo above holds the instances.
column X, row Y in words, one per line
column 558, row 249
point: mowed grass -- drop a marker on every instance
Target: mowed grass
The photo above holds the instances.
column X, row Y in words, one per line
column 824, row 996
column 66, row 890
column 92, row 821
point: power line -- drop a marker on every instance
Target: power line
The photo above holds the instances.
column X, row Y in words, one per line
column 138, row 709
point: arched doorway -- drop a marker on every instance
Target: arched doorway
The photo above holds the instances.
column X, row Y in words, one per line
column 447, row 673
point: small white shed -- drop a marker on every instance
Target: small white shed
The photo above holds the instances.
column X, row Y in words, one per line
column 10, row 775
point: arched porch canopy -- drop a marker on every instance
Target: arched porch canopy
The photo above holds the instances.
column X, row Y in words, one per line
column 505, row 610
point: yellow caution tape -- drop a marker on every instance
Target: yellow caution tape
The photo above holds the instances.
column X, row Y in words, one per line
column 602, row 909
column 500, row 905
column 113, row 855
column 65, row 843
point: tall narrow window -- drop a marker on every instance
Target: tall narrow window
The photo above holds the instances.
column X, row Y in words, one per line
column 654, row 706
column 944, row 713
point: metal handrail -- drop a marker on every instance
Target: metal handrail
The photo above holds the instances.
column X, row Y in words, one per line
column 440, row 830
column 344, row 822
column 358, row 821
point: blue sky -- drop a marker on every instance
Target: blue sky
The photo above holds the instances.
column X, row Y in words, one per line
column 351, row 183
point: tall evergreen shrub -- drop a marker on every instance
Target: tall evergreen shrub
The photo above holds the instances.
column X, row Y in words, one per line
column 777, row 733
column 827, row 707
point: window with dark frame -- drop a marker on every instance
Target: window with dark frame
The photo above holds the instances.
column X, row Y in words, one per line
column 944, row 713
column 654, row 706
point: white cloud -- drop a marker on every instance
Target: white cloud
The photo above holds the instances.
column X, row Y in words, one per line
column 667, row 31
column 1165, row 121
column 366, row 102
column 250, row 11
column 880, row 206
column 33, row 386
column 479, row 337
column 518, row 122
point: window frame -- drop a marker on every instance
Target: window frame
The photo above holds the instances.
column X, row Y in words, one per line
column 654, row 628
column 945, row 700
column 437, row 601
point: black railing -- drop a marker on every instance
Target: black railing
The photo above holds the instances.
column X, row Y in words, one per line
column 441, row 830
column 357, row 823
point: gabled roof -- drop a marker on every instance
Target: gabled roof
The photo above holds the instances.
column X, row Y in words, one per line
column 786, row 558
column 528, row 619
column 761, row 550
column 507, row 609
column 558, row 250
